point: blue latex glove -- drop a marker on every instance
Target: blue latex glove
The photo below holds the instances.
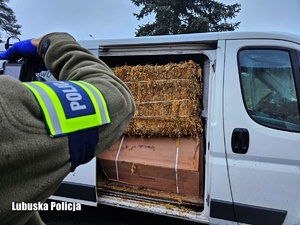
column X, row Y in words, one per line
column 20, row 49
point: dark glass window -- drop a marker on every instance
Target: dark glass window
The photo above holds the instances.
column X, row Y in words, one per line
column 268, row 88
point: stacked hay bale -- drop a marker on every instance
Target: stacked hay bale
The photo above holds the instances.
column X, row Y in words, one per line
column 167, row 99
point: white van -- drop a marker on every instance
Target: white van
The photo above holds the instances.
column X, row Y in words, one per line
column 251, row 114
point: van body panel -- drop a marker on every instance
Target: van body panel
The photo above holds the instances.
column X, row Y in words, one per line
column 217, row 182
column 266, row 176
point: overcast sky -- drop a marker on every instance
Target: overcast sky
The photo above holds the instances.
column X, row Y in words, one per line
column 114, row 18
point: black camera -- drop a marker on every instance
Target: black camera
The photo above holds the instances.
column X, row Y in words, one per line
column 23, row 69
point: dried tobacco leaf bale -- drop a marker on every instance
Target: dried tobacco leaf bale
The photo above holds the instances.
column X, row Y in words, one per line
column 178, row 108
column 167, row 99
column 170, row 127
column 160, row 90
column 123, row 72
column 183, row 70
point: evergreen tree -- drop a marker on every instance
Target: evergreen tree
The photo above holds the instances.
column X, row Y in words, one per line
column 8, row 21
column 185, row 16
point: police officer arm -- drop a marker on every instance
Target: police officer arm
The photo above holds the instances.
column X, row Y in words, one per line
column 67, row 60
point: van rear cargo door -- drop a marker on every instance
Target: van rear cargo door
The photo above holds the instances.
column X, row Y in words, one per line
column 262, row 130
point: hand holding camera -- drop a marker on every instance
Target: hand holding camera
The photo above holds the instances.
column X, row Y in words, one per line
column 23, row 61
column 21, row 49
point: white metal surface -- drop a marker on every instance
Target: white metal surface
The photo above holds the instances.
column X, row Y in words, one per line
column 188, row 38
column 268, row 174
column 83, row 175
column 217, row 185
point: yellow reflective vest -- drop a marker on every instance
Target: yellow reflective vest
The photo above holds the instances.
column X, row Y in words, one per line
column 70, row 106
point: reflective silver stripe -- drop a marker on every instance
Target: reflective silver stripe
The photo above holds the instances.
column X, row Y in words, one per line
column 99, row 101
column 51, row 108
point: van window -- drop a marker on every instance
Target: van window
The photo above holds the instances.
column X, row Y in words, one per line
column 268, row 88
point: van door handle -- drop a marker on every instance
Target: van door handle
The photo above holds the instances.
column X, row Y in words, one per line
column 240, row 140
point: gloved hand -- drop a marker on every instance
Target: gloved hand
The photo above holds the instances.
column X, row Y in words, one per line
column 20, row 49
